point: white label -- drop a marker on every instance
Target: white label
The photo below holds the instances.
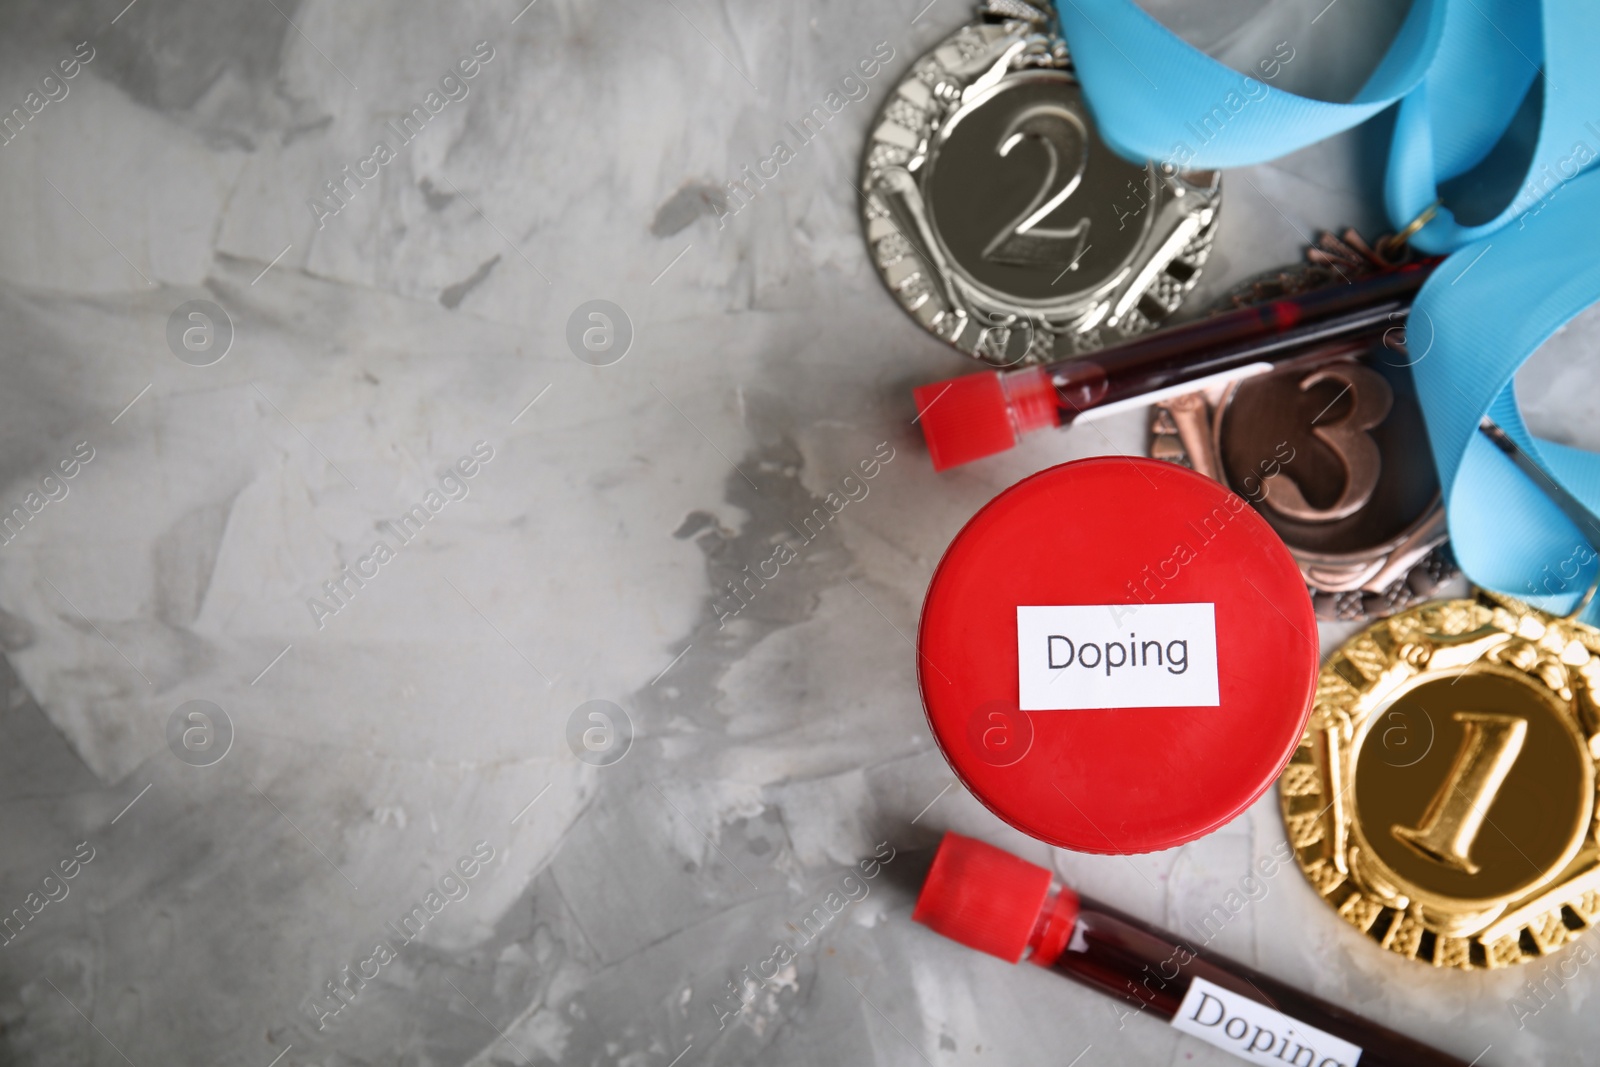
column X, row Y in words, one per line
column 1252, row 1031
column 1083, row 656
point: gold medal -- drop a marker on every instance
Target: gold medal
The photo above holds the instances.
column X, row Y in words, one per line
column 1442, row 799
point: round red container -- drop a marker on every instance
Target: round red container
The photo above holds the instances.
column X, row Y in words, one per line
column 1129, row 535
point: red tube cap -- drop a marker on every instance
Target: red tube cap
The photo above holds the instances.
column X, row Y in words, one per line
column 964, row 419
column 983, row 897
column 977, row 415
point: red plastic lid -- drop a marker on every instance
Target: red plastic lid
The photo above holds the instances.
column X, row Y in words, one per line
column 1114, row 757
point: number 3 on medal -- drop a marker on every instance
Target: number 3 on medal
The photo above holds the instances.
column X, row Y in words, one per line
column 1023, row 242
column 1370, row 401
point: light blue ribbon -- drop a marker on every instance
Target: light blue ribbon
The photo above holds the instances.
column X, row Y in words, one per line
column 1458, row 72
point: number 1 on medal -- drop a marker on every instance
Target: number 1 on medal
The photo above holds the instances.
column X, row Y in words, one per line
column 1489, row 747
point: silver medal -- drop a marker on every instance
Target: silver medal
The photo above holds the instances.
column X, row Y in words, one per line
column 1002, row 222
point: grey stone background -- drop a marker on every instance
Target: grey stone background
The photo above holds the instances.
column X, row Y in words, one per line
column 374, row 751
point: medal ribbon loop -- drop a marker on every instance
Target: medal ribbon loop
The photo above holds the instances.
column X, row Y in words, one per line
column 1458, row 73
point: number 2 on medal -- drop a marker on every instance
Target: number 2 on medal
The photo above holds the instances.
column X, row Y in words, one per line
column 1023, row 242
column 1370, row 401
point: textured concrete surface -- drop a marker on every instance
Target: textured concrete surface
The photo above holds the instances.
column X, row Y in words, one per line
column 407, row 746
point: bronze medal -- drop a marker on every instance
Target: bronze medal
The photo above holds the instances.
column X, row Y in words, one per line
column 1331, row 449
